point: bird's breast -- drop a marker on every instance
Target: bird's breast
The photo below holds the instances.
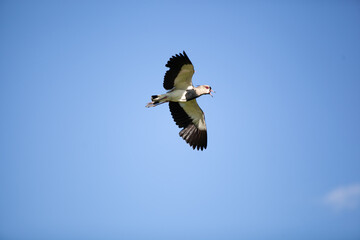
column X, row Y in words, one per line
column 190, row 94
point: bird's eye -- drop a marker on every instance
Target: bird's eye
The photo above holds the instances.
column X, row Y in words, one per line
column 206, row 87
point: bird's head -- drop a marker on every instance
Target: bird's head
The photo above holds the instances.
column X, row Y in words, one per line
column 206, row 89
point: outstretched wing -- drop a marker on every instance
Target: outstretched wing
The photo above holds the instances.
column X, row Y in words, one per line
column 191, row 118
column 180, row 73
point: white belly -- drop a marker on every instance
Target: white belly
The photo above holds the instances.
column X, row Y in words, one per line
column 177, row 96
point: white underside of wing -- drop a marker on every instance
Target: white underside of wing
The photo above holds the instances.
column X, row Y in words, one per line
column 183, row 79
column 194, row 111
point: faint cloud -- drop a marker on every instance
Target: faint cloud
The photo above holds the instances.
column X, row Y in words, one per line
column 346, row 197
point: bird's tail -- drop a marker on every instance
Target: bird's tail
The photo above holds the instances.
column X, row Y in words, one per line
column 157, row 100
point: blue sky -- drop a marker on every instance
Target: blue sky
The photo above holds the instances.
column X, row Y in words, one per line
column 82, row 158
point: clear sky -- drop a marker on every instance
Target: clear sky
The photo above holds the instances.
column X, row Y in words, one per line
column 82, row 158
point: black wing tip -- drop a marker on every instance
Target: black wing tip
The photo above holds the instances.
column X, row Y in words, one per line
column 196, row 138
column 178, row 59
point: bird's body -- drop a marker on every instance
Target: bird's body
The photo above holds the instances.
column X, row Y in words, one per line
column 174, row 96
column 182, row 100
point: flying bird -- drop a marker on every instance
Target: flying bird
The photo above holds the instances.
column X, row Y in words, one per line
column 182, row 100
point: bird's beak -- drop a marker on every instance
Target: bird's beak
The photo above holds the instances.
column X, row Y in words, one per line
column 211, row 91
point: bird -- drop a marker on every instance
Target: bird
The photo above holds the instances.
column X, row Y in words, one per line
column 181, row 97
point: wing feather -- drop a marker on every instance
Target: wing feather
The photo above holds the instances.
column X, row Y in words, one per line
column 191, row 118
column 193, row 110
column 180, row 74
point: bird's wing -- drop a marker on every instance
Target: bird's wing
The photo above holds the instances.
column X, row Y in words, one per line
column 188, row 115
column 180, row 73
